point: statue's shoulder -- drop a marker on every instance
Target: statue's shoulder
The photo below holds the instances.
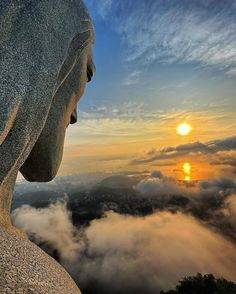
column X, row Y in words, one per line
column 25, row 268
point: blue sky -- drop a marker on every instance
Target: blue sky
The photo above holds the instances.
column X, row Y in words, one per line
column 166, row 53
column 158, row 63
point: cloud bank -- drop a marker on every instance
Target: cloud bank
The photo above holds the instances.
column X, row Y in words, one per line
column 211, row 202
column 131, row 254
column 196, row 148
column 52, row 225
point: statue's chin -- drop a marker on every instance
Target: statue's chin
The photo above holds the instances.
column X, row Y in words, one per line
column 39, row 177
column 39, row 174
column 43, row 163
column 44, row 160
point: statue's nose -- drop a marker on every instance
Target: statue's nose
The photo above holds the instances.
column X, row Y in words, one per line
column 73, row 117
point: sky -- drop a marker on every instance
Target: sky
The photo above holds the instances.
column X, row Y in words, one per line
column 159, row 64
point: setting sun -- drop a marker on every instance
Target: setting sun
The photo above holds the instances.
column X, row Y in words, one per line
column 184, row 129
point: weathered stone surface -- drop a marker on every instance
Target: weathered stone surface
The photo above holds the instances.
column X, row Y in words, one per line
column 45, row 62
column 25, row 268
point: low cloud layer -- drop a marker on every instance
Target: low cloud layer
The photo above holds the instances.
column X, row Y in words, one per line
column 211, row 202
column 52, row 225
column 143, row 255
column 128, row 254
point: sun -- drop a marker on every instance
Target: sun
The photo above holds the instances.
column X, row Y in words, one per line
column 184, row 129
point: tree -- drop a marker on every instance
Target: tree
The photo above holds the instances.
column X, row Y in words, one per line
column 206, row 284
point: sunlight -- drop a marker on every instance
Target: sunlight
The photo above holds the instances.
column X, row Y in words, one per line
column 187, row 168
column 184, row 129
column 187, row 178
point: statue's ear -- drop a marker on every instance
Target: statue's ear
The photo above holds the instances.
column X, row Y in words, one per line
column 8, row 113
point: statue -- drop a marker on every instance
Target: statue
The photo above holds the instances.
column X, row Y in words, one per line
column 45, row 62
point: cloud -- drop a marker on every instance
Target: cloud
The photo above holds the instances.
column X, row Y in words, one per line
column 232, row 72
column 147, row 254
column 131, row 254
column 157, row 174
column 142, row 194
column 201, row 192
column 91, row 195
column 196, row 148
column 133, row 249
column 124, row 110
column 104, row 7
column 231, row 206
column 211, row 201
column 132, row 78
column 159, row 186
column 197, row 32
column 227, row 158
column 51, row 224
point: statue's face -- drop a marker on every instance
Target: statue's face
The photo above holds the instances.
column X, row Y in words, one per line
column 45, row 157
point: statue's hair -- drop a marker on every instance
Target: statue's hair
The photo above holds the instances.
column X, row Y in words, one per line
column 34, row 41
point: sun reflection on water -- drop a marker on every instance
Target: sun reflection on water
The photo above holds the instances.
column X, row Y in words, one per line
column 187, row 178
column 187, row 169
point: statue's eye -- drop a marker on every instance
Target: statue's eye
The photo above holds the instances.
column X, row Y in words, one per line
column 89, row 74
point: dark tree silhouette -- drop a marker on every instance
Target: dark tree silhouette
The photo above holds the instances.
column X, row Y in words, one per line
column 206, row 284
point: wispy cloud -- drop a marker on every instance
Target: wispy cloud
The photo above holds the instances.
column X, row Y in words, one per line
column 104, row 7
column 196, row 32
column 139, row 121
column 132, row 78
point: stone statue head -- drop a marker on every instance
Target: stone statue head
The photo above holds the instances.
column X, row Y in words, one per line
column 46, row 61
